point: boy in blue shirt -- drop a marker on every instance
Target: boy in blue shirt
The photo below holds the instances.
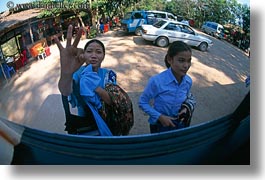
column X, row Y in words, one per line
column 173, row 103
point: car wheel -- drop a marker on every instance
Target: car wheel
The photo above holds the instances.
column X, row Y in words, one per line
column 162, row 42
column 138, row 31
column 203, row 46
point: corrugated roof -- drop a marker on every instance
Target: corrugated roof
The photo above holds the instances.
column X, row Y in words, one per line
column 9, row 22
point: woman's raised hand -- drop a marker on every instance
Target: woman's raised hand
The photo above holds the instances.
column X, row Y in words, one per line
column 71, row 59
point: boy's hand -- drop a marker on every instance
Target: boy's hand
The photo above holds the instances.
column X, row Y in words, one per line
column 166, row 121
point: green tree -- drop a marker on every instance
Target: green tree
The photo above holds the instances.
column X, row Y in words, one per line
column 221, row 11
column 246, row 19
column 68, row 5
column 96, row 7
column 113, row 8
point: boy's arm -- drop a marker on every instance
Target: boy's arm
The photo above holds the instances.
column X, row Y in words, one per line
column 190, row 102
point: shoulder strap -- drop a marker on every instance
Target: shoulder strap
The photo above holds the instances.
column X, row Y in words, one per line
column 78, row 96
column 66, row 105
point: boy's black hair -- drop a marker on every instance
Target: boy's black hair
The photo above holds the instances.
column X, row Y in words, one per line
column 175, row 48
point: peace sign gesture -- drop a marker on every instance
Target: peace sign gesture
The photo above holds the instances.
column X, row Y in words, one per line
column 71, row 58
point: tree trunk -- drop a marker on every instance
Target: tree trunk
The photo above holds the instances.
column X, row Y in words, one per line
column 82, row 25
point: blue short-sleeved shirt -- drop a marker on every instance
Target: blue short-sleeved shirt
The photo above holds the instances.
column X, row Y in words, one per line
column 88, row 82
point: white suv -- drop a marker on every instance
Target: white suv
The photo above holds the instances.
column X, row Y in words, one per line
column 162, row 15
column 214, row 29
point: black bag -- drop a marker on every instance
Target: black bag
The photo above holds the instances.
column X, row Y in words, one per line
column 76, row 124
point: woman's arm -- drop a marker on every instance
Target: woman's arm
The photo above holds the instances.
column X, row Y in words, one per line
column 90, row 87
column 65, row 84
column 71, row 58
column 144, row 102
column 104, row 95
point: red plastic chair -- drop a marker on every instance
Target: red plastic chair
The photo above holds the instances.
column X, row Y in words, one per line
column 18, row 64
column 47, row 51
column 106, row 27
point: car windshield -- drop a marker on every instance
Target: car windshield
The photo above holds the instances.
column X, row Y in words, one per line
column 159, row 24
column 221, row 30
column 128, row 15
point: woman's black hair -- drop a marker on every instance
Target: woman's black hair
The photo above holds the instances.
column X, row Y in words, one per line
column 96, row 41
column 175, row 48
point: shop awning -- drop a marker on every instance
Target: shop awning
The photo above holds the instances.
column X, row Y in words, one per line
column 12, row 21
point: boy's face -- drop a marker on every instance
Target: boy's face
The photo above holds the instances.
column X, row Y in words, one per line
column 180, row 64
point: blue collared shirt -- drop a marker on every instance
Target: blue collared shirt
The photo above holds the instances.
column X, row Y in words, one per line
column 167, row 95
column 88, row 82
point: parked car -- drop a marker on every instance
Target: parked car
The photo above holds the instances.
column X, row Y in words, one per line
column 159, row 15
column 133, row 20
column 167, row 31
column 214, row 29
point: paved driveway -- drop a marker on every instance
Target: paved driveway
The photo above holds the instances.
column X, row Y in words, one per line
column 32, row 97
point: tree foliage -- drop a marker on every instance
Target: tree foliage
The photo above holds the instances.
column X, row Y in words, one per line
column 221, row 11
column 97, row 8
column 112, row 8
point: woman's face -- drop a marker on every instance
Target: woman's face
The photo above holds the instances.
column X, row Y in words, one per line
column 180, row 64
column 94, row 55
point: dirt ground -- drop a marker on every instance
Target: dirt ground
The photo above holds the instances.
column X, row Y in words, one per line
column 32, row 98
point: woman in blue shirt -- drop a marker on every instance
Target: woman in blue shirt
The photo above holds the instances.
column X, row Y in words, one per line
column 92, row 79
column 173, row 103
column 92, row 86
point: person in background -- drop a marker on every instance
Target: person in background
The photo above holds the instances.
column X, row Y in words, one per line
column 173, row 104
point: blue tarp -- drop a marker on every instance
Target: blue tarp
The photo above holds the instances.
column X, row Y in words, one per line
column 212, row 142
